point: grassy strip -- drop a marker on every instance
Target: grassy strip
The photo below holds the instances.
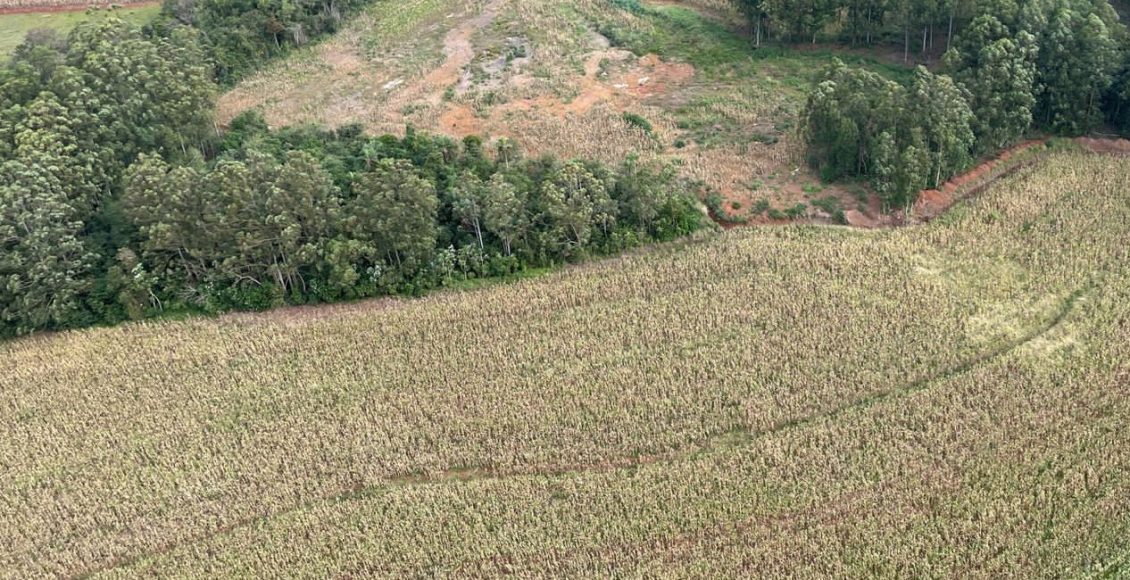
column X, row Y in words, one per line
column 14, row 27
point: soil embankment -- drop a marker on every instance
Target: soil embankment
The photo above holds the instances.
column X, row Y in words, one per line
column 934, row 202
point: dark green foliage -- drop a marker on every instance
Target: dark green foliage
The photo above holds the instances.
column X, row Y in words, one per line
column 904, row 138
column 1015, row 65
column 1078, row 58
column 797, row 211
column 828, row 204
column 268, row 223
column 638, row 121
column 632, row 6
column 119, row 201
column 718, row 213
column 998, row 67
column 1116, row 102
column 73, row 115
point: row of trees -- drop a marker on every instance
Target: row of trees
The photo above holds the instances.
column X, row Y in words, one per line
column 919, row 26
column 916, row 24
column 267, row 223
column 1058, row 65
column 906, row 138
column 119, row 199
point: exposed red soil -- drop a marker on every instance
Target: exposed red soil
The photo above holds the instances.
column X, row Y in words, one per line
column 650, row 76
column 73, row 7
column 932, row 202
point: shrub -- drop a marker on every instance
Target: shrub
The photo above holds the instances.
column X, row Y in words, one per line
column 638, row 121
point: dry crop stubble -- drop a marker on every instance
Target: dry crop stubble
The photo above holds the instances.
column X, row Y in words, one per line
column 792, row 399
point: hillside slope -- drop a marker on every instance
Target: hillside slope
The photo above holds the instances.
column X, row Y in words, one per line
column 765, row 401
column 671, row 80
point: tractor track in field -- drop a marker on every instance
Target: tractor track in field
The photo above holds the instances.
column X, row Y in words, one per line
column 737, row 437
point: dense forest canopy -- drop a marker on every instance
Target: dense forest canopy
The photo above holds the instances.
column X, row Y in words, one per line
column 1007, row 67
column 119, row 199
column 239, row 35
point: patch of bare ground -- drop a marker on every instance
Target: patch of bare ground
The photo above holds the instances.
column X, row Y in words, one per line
column 450, row 79
column 589, row 121
column 383, row 60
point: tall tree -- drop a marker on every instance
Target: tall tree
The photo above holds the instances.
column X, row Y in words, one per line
column 999, row 71
column 44, row 265
column 505, row 211
column 303, row 212
column 395, row 210
column 468, row 198
column 940, row 109
column 844, row 116
column 576, row 201
column 1077, row 61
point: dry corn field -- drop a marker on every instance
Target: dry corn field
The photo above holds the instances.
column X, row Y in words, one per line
column 948, row 400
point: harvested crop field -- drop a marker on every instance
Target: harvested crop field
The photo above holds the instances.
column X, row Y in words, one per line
column 778, row 401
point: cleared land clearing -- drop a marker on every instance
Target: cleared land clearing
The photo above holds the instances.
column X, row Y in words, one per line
column 576, row 79
column 18, row 21
column 944, row 400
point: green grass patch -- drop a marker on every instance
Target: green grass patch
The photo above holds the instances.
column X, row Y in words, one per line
column 639, row 122
column 740, row 94
column 680, row 33
column 14, row 27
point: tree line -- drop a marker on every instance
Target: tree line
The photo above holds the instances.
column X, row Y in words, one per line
column 306, row 215
column 920, row 27
column 120, row 200
column 915, row 24
column 1059, row 66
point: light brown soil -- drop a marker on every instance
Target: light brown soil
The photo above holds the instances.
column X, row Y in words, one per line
column 460, row 120
column 458, row 53
column 649, row 76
